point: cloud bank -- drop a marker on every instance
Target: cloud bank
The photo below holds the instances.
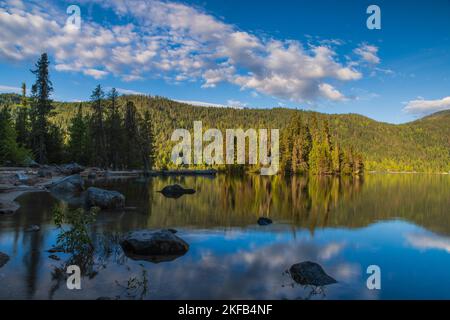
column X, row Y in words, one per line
column 175, row 42
column 422, row 106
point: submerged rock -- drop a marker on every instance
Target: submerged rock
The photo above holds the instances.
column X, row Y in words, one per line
column 71, row 168
column 263, row 221
column 8, row 208
column 56, row 249
column 33, row 228
column 105, row 199
column 154, row 246
column 4, row 258
column 175, row 191
column 310, row 273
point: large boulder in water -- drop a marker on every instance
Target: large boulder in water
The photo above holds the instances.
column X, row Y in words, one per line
column 4, row 258
column 68, row 185
column 175, row 191
column 105, row 199
column 310, row 273
column 68, row 189
column 154, row 246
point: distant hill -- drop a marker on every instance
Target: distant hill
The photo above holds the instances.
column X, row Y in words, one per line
column 422, row 145
column 9, row 99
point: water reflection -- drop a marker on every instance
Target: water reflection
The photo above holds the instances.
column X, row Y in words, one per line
column 399, row 222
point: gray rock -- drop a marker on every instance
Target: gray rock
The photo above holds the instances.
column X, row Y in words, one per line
column 69, row 189
column 8, row 208
column 71, row 168
column 68, row 185
column 4, row 258
column 154, row 246
column 105, row 199
column 263, row 221
column 310, row 273
column 175, row 191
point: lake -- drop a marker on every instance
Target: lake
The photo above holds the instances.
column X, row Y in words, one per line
column 400, row 223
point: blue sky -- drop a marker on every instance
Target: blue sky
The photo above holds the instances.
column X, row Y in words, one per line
column 316, row 55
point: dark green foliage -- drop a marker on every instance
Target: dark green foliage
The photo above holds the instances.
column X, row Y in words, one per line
column 309, row 147
column 146, row 140
column 296, row 144
column 10, row 152
column 54, row 144
column 78, row 147
column 23, row 126
column 76, row 239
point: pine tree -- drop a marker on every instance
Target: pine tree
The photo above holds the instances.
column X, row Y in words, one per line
column 314, row 156
column 301, row 149
column 22, row 127
column 114, row 130
column 325, row 150
column 358, row 164
column 41, row 108
column 97, row 129
column 336, row 158
column 286, row 151
column 146, row 140
column 132, row 136
column 347, row 162
column 24, row 101
column 77, row 147
column 22, row 124
column 55, row 144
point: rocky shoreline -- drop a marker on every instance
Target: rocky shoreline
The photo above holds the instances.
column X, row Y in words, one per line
column 17, row 181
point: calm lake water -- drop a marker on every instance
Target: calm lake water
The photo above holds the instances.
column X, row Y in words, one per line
column 399, row 222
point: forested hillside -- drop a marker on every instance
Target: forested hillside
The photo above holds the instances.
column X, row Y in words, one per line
column 422, row 145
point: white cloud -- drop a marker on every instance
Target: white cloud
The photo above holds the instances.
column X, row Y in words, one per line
column 96, row 74
column 328, row 91
column 368, row 53
column 237, row 104
column 201, row 103
column 8, row 89
column 177, row 42
column 422, row 106
column 126, row 91
column 230, row 104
